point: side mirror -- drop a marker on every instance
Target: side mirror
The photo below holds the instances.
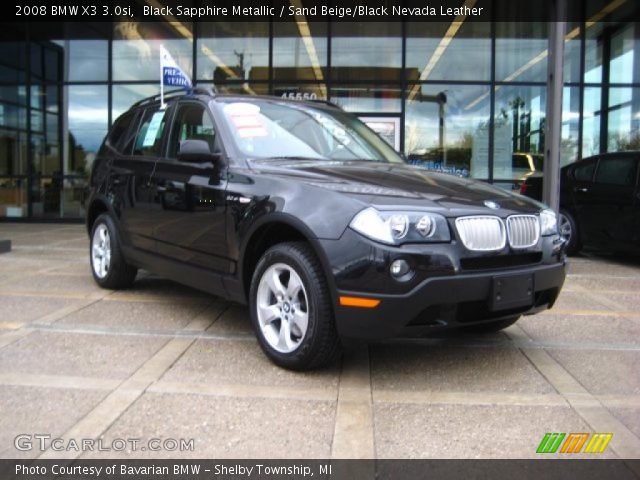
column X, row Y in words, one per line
column 196, row 151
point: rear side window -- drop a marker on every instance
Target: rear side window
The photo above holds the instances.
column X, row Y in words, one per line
column 617, row 171
column 120, row 137
column 149, row 138
column 584, row 172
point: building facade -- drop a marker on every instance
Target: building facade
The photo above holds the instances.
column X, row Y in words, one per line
column 467, row 97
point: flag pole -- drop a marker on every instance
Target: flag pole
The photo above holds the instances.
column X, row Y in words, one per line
column 161, row 80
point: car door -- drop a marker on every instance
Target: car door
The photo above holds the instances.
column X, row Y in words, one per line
column 190, row 203
column 609, row 202
column 133, row 173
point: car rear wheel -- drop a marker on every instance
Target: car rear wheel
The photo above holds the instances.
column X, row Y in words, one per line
column 291, row 308
column 109, row 268
column 492, row 327
column 568, row 229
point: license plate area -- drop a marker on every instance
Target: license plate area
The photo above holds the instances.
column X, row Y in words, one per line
column 511, row 291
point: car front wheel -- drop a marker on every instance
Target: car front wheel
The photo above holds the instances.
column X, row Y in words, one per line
column 291, row 308
column 109, row 268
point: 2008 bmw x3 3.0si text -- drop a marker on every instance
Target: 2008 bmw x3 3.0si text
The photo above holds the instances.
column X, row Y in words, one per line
column 300, row 211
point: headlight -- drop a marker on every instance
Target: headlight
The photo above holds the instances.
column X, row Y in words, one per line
column 548, row 223
column 395, row 227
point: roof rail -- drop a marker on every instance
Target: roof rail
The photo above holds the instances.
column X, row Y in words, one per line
column 326, row 102
column 203, row 90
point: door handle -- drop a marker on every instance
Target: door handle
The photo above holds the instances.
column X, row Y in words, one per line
column 160, row 189
column 581, row 190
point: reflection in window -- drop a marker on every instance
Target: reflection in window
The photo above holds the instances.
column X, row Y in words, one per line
column 126, row 95
column 623, row 119
column 521, row 51
column 304, row 91
column 233, row 51
column 570, row 125
column 624, row 63
column 87, row 126
column 519, row 125
column 591, row 121
column 136, row 49
column 366, row 51
column 448, row 51
column 85, row 60
column 617, row 171
column 447, row 128
column 13, row 197
column 300, row 50
column 368, row 98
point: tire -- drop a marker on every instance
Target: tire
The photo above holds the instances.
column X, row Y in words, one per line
column 289, row 289
column 492, row 327
column 108, row 265
column 568, row 228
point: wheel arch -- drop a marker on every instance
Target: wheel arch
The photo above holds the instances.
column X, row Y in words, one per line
column 269, row 231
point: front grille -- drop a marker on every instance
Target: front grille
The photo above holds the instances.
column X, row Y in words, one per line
column 523, row 231
column 481, row 233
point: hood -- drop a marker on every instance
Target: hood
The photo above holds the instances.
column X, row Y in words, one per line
column 391, row 186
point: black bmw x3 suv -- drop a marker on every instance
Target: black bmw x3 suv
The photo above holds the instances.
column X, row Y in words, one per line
column 302, row 212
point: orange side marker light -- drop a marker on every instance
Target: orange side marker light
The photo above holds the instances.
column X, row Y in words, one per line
column 359, row 302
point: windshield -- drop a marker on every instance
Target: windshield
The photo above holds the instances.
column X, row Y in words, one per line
column 266, row 129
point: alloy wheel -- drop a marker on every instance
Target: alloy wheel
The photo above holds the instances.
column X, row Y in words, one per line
column 101, row 251
column 282, row 308
column 564, row 227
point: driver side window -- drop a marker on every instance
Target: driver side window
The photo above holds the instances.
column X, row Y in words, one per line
column 192, row 122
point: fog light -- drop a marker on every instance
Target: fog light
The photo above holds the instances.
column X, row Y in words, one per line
column 399, row 268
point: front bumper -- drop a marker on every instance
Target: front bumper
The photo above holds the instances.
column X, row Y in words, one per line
column 451, row 287
column 442, row 303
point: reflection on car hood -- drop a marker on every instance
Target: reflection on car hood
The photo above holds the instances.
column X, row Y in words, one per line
column 387, row 185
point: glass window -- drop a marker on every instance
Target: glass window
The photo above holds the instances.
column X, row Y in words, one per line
column 86, row 126
column 617, row 171
column 46, row 194
column 447, row 128
column 584, row 171
column 572, row 52
column 591, row 121
column 521, row 51
column 304, row 91
column 518, row 127
column 300, row 50
column 13, row 152
column 149, row 138
column 366, row 51
column 368, row 98
column 136, row 49
column 123, row 133
column 13, row 197
column 192, row 122
column 448, row 51
column 233, row 51
column 570, row 125
column 623, row 119
column 124, row 96
column 625, row 49
column 13, row 61
column 72, row 197
column 85, row 60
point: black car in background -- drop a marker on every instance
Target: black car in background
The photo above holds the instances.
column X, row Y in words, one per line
column 302, row 212
column 599, row 202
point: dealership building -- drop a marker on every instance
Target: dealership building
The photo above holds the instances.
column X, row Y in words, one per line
column 463, row 96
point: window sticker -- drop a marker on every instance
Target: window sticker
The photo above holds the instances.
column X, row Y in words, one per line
column 152, row 130
column 247, row 120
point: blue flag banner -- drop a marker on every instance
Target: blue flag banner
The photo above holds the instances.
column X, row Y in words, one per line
column 171, row 74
